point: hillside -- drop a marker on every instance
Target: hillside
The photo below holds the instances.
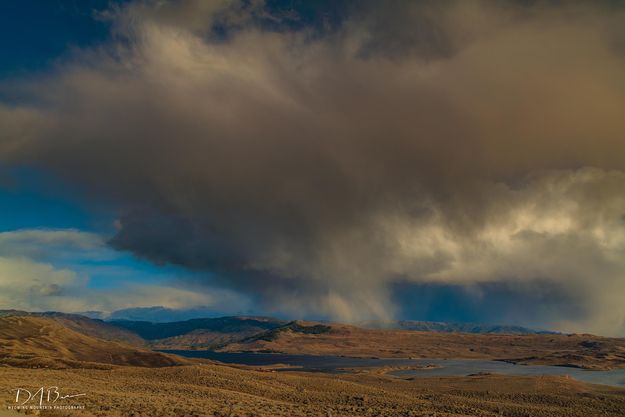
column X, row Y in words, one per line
column 84, row 325
column 154, row 387
column 198, row 333
column 220, row 391
column 207, row 333
column 96, row 328
column 32, row 341
column 585, row 351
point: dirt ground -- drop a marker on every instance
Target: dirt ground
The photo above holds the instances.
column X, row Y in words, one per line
column 215, row 390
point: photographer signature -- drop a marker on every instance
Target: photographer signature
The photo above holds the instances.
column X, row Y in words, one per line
column 42, row 395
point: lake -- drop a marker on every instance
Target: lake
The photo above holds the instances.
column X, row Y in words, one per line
column 445, row 367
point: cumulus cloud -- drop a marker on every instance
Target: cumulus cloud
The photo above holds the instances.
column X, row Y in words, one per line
column 311, row 168
column 32, row 279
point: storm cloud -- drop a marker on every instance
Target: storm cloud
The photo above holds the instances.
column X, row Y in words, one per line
column 313, row 167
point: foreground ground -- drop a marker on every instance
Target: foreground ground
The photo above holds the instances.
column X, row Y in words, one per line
column 215, row 390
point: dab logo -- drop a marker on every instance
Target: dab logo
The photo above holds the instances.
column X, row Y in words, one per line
column 43, row 398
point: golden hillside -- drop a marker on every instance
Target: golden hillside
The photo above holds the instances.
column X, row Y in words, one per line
column 223, row 391
column 30, row 341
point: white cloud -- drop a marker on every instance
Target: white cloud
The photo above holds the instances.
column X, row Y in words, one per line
column 27, row 282
column 562, row 227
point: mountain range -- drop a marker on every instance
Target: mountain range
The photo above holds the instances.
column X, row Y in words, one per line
column 52, row 339
column 215, row 333
column 218, row 332
column 447, row 327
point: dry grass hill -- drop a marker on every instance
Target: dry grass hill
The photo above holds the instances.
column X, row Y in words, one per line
column 30, row 341
column 97, row 328
column 223, row 391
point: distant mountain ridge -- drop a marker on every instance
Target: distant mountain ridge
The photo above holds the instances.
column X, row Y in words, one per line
column 225, row 332
column 155, row 314
column 293, row 326
column 447, row 327
column 160, row 314
column 57, row 340
column 237, row 326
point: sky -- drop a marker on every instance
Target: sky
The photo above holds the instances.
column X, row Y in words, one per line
column 343, row 160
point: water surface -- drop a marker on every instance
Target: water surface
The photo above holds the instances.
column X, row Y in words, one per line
column 444, row 367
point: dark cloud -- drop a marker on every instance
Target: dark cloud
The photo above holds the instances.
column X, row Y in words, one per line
column 313, row 168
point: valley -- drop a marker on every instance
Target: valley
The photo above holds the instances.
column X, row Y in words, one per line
column 115, row 366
